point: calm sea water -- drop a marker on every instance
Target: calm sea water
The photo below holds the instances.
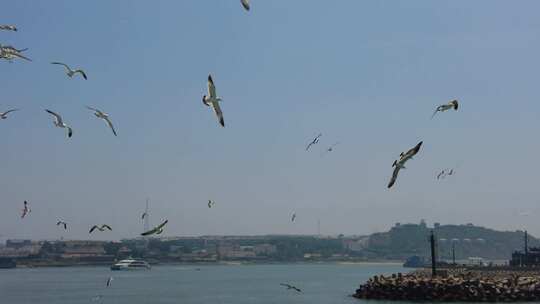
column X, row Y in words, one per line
column 189, row 284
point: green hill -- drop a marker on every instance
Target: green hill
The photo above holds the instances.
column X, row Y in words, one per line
column 406, row 240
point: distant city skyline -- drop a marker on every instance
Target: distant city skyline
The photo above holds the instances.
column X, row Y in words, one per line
column 365, row 74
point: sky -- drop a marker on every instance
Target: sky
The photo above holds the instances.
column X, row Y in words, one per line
column 366, row 74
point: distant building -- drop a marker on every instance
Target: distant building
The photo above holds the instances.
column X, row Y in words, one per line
column 265, row 249
column 17, row 244
column 83, row 249
column 529, row 258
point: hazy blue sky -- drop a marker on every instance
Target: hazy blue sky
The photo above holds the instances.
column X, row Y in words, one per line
column 365, row 73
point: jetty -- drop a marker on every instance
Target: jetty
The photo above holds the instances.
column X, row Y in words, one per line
column 455, row 285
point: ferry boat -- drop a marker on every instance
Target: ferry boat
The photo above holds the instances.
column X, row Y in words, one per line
column 131, row 264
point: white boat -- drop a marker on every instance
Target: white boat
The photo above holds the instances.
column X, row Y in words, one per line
column 131, row 264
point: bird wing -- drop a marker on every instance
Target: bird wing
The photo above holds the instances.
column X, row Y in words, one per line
column 412, row 152
column 65, row 226
column 21, row 56
column 93, row 109
column 106, row 226
column 65, row 65
column 143, row 215
column 211, row 87
column 9, row 111
column 209, row 204
column 309, row 145
column 57, row 116
column 70, row 131
column 93, row 228
column 219, row 114
column 82, row 73
column 436, row 110
column 108, row 121
column 245, row 4
column 162, row 225
column 286, row 285
column 394, row 176
column 149, row 232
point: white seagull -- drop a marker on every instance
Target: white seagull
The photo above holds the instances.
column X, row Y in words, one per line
column 100, row 228
column 452, row 104
column 3, row 115
column 104, row 116
column 8, row 28
column 245, row 4
column 59, row 123
column 400, row 164
column 314, row 141
column 71, row 72
column 25, row 210
column 212, row 100
column 62, row 223
column 156, row 230
column 211, row 203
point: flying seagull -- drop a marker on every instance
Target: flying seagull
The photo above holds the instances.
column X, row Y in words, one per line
column 71, row 72
column 441, row 174
column 452, row 104
column 62, row 223
column 400, row 164
column 329, row 149
column 25, row 210
column 245, row 4
column 293, row 217
column 9, row 53
column 211, row 203
column 100, row 228
column 3, row 115
column 109, row 281
column 8, row 28
column 104, row 116
column 314, row 141
column 59, row 123
column 291, row 287
column 156, row 230
column 212, row 100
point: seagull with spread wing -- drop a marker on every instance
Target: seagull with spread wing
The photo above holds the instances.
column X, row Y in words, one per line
column 314, row 141
column 9, row 53
column 245, row 4
column 400, row 164
column 211, row 203
column 8, row 28
column 451, row 105
column 62, row 223
column 100, row 228
column 213, row 100
column 293, row 217
column 3, row 115
column 25, row 210
column 291, row 287
column 60, row 123
column 71, row 72
column 156, row 230
column 104, row 116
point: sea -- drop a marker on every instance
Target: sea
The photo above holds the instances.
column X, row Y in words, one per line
column 325, row 283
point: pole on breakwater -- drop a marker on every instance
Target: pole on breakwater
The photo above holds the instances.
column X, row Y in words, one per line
column 433, row 257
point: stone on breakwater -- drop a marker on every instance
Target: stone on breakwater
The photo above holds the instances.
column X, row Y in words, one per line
column 462, row 287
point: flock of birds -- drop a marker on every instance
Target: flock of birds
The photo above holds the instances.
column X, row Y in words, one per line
column 211, row 99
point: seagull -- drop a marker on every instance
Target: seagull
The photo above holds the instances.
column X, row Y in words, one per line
column 156, row 230
column 452, row 104
column 9, row 53
column 62, row 223
column 109, row 280
column 97, row 298
column 25, row 210
column 245, row 4
column 71, row 72
column 100, row 228
column 441, row 174
column 400, row 164
column 213, row 100
column 104, row 116
column 59, row 123
column 3, row 115
column 211, row 203
column 314, row 141
column 291, row 287
column 8, row 28
column 293, row 217
column 329, row 149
